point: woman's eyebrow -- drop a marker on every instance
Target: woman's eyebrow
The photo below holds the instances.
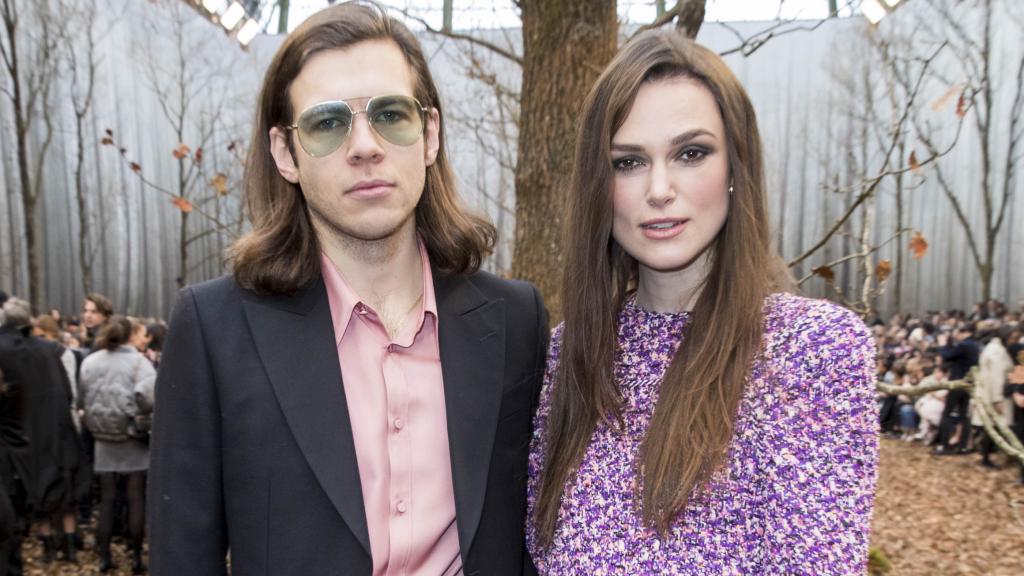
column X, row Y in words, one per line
column 680, row 139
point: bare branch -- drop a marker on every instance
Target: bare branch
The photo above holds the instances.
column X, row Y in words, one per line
column 750, row 45
column 861, row 254
column 958, row 210
column 154, row 186
column 922, row 389
column 688, row 14
column 868, row 186
column 1009, row 171
column 465, row 37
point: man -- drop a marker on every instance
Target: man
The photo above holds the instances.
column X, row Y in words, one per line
column 44, row 460
column 96, row 310
column 17, row 475
column 960, row 356
column 357, row 399
column 1015, row 389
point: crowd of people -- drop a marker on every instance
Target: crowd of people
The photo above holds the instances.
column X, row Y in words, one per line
column 76, row 399
column 947, row 346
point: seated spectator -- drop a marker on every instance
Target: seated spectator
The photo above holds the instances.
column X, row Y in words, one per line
column 929, row 406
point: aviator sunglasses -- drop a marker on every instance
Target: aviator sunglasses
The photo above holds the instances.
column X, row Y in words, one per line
column 324, row 127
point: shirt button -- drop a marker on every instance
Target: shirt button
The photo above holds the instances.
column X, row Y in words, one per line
column 399, row 423
column 401, row 507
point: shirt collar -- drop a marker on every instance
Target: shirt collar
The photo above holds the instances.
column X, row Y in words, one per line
column 343, row 299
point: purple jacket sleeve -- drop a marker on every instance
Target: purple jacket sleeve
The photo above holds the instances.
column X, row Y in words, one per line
column 821, row 457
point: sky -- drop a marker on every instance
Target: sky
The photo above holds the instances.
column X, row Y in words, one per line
column 470, row 14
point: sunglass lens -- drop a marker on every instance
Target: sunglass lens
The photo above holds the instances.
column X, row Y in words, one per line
column 398, row 119
column 323, row 128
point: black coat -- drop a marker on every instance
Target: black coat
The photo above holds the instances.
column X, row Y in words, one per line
column 960, row 357
column 53, row 468
column 252, row 448
column 15, row 457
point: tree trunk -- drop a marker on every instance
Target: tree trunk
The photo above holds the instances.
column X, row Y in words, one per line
column 566, row 44
column 28, row 202
column 32, row 251
column 985, row 274
column 21, row 129
column 84, row 256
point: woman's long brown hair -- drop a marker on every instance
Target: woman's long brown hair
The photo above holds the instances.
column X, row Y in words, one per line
column 282, row 252
column 693, row 421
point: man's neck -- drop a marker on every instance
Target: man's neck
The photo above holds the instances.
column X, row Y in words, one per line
column 386, row 274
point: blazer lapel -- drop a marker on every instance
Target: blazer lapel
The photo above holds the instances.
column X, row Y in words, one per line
column 295, row 339
column 471, row 337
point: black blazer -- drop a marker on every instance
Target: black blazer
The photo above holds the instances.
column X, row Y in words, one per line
column 252, row 448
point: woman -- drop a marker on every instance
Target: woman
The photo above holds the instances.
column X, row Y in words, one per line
column 695, row 420
column 116, row 385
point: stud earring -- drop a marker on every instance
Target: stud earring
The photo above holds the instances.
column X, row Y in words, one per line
column 730, row 188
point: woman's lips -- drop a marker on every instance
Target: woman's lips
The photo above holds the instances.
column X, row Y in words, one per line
column 663, row 228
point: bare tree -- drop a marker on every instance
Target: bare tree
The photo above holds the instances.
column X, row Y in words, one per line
column 78, row 39
column 192, row 97
column 494, row 137
column 30, row 74
column 870, row 174
column 971, row 37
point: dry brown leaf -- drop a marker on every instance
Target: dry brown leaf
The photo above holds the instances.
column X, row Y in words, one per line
column 918, row 245
column 107, row 141
column 181, row 151
column 220, row 183
column 825, row 272
column 915, row 164
column 883, row 270
column 198, row 156
column 135, row 167
column 941, row 102
column 182, row 204
column 961, row 106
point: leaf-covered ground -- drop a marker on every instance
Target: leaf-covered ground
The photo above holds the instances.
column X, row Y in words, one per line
column 88, row 563
column 933, row 516
column 947, row 515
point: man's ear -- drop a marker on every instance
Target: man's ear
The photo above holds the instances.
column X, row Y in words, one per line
column 283, row 155
column 431, row 136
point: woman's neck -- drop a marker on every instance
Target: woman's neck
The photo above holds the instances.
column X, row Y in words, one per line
column 672, row 291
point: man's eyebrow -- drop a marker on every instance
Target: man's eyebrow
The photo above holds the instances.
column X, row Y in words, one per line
column 680, row 139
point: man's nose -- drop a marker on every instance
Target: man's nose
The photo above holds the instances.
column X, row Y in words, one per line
column 364, row 142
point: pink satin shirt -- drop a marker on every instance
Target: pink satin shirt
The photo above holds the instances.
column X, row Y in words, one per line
column 395, row 396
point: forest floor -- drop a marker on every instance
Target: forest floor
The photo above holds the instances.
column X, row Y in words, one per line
column 946, row 515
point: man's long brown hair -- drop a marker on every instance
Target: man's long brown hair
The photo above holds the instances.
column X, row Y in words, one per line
column 694, row 417
column 282, row 252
